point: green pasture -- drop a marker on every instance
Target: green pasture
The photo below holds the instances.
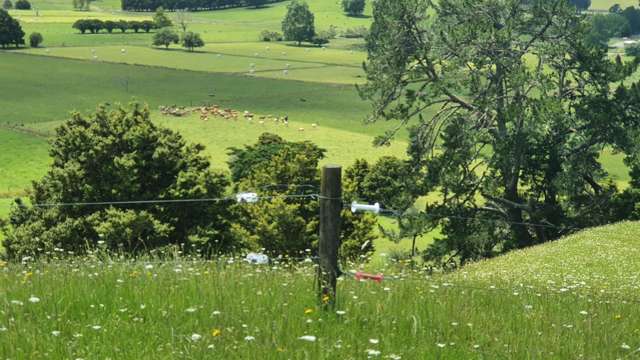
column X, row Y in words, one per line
column 568, row 299
column 606, row 4
column 23, row 158
column 343, row 147
column 80, row 85
column 254, row 59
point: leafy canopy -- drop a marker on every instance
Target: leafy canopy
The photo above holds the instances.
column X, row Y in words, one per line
column 165, row 37
column 10, row 30
column 288, row 226
column 161, row 19
column 353, row 7
column 120, row 155
column 191, row 40
column 510, row 113
column 298, row 23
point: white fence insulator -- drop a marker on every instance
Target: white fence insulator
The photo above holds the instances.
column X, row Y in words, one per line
column 247, row 197
column 375, row 208
column 255, row 258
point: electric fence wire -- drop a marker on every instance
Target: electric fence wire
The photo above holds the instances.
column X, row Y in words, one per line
column 312, row 196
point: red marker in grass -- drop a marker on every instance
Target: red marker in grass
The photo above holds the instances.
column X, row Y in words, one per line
column 365, row 276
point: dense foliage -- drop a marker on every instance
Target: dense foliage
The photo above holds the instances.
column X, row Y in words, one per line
column 165, row 37
column 35, row 39
column 617, row 23
column 7, row 5
column 94, row 26
column 119, row 155
column 353, row 7
column 10, row 30
column 191, row 40
column 22, row 5
column 605, row 27
column 512, row 111
column 389, row 181
column 288, row 226
column 193, row 5
column 160, row 19
column 298, row 24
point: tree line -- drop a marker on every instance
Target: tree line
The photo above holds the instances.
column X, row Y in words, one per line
column 94, row 26
column 192, row 5
column 118, row 154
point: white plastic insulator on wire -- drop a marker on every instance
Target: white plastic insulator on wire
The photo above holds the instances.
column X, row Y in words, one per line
column 247, row 197
column 375, row 208
column 256, row 258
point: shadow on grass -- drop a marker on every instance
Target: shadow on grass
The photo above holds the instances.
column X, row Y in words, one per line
column 360, row 16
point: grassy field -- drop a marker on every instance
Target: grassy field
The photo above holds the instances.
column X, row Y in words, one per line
column 23, row 158
column 271, row 61
column 578, row 305
column 606, row 4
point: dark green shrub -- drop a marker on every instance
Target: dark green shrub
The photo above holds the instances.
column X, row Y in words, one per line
column 23, row 5
column 35, row 39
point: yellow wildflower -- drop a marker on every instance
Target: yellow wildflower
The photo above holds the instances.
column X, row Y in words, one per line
column 325, row 298
column 618, row 317
column 308, row 311
column 216, row 332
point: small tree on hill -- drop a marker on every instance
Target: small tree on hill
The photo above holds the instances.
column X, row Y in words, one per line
column 7, row 4
column 298, row 24
column 119, row 155
column 353, row 7
column 10, row 30
column 161, row 19
column 23, row 5
column 191, row 40
column 165, row 37
column 35, row 39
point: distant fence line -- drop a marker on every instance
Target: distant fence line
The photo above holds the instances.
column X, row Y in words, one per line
column 191, row 5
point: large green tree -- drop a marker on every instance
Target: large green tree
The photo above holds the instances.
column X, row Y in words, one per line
column 160, row 19
column 298, row 24
column 511, row 109
column 10, row 30
column 165, row 37
column 191, row 40
column 353, row 7
column 118, row 156
column 274, row 168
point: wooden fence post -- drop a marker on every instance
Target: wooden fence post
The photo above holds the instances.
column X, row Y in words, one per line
column 330, row 209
